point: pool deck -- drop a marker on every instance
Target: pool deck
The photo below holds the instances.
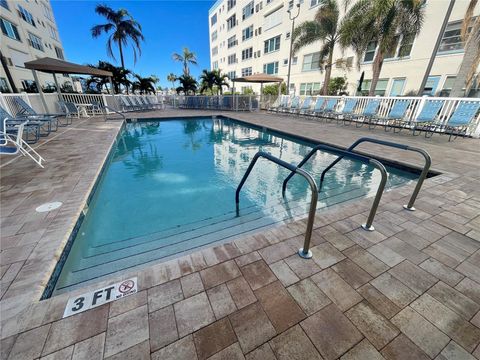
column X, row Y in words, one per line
column 409, row 290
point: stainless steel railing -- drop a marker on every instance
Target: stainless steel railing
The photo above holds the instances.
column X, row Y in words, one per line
column 347, row 153
column 304, row 252
column 421, row 179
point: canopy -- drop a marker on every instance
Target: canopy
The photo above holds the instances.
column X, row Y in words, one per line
column 258, row 78
column 50, row 65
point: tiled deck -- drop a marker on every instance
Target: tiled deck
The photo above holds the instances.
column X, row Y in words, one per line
column 410, row 290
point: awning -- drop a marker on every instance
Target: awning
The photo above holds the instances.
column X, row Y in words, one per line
column 50, row 65
column 258, row 78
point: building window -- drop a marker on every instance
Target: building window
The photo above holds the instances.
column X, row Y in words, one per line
column 273, row 19
column 379, row 90
column 215, row 51
column 213, row 20
column 271, row 68
column 397, row 87
column 25, row 15
column 285, row 62
column 451, row 40
column 247, row 71
column 258, row 7
column 29, row 86
column 232, row 41
column 4, row 4
column 53, row 32
column 232, row 75
column 272, row 44
column 400, row 48
column 311, row 62
column 35, row 42
column 310, row 88
column 314, row 2
column 247, row 53
column 231, row 22
column 294, row 60
column 47, row 12
column 214, row 35
column 232, row 59
column 248, row 10
column 370, row 53
column 215, row 65
column 10, row 30
column 231, row 4
column 4, row 86
column 59, row 53
column 247, row 33
column 447, row 86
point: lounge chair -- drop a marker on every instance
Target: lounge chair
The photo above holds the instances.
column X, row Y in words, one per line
column 347, row 111
column 30, row 127
column 369, row 112
column 155, row 104
column 282, row 105
column 306, row 105
column 28, row 112
column 71, row 110
column 294, row 105
column 461, row 118
column 427, row 117
column 394, row 119
column 12, row 143
column 328, row 109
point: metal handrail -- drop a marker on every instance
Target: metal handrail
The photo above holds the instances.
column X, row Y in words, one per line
column 304, row 252
column 423, row 175
column 115, row 111
column 347, row 153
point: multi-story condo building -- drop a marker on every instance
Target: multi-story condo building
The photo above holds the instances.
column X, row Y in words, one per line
column 28, row 32
column 253, row 36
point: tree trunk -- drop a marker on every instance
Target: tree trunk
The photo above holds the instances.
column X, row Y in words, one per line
column 465, row 68
column 121, row 58
column 328, row 72
column 377, row 68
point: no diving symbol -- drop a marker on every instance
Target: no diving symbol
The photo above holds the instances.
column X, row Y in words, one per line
column 126, row 286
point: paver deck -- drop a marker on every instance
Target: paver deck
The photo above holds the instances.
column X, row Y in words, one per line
column 409, row 290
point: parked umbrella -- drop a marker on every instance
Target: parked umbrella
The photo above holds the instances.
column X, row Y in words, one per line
column 360, row 82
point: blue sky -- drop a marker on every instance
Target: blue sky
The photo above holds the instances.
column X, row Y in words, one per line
column 168, row 26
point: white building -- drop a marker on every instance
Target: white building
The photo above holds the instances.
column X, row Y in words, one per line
column 28, row 32
column 253, row 36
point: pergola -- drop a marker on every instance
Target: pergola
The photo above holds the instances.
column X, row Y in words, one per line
column 259, row 78
column 54, row 66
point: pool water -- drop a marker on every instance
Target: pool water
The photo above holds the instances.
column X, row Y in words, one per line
column 169, row 187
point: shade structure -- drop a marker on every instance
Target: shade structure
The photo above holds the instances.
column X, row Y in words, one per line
column 53, row 66
column 258, row 78
column 50, row 65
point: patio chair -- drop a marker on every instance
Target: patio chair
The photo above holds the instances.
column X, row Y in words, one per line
column 325, row 108
column 28, row 112
column 394, row 119
column 71, row 110
column 154, row 104
column 347, row 111
column 124, row 104
column 306, row 105
column 427, row 117
column 12, row 143
column 461, row 118
column 30, row 127
column 369, row 111
column 275, row 104
column 294, row 105
column 282, row 105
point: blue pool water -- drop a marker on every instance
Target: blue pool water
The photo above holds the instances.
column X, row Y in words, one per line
column 169, row 187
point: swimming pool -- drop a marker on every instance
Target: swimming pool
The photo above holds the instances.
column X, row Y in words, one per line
column 169, row 187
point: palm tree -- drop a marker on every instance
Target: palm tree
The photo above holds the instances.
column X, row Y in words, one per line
column 144, row 84
column 187, row 57
column 172, row 78
column 220, row 80
column 471, row 57
column 119, row 75
column 187, row 84
column 323, row 28
column 122, row 28
column 208, row 79
column 381, row 22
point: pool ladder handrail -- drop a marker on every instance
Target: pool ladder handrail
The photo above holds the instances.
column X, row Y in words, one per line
column 423, row 175
column 304, row 252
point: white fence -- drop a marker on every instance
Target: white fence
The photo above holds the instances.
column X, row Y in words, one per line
column 241, row 103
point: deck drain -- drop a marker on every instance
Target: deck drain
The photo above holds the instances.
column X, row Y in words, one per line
column 49, row 206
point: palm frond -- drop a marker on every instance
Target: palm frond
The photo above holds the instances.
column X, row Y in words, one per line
column 467, row 19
